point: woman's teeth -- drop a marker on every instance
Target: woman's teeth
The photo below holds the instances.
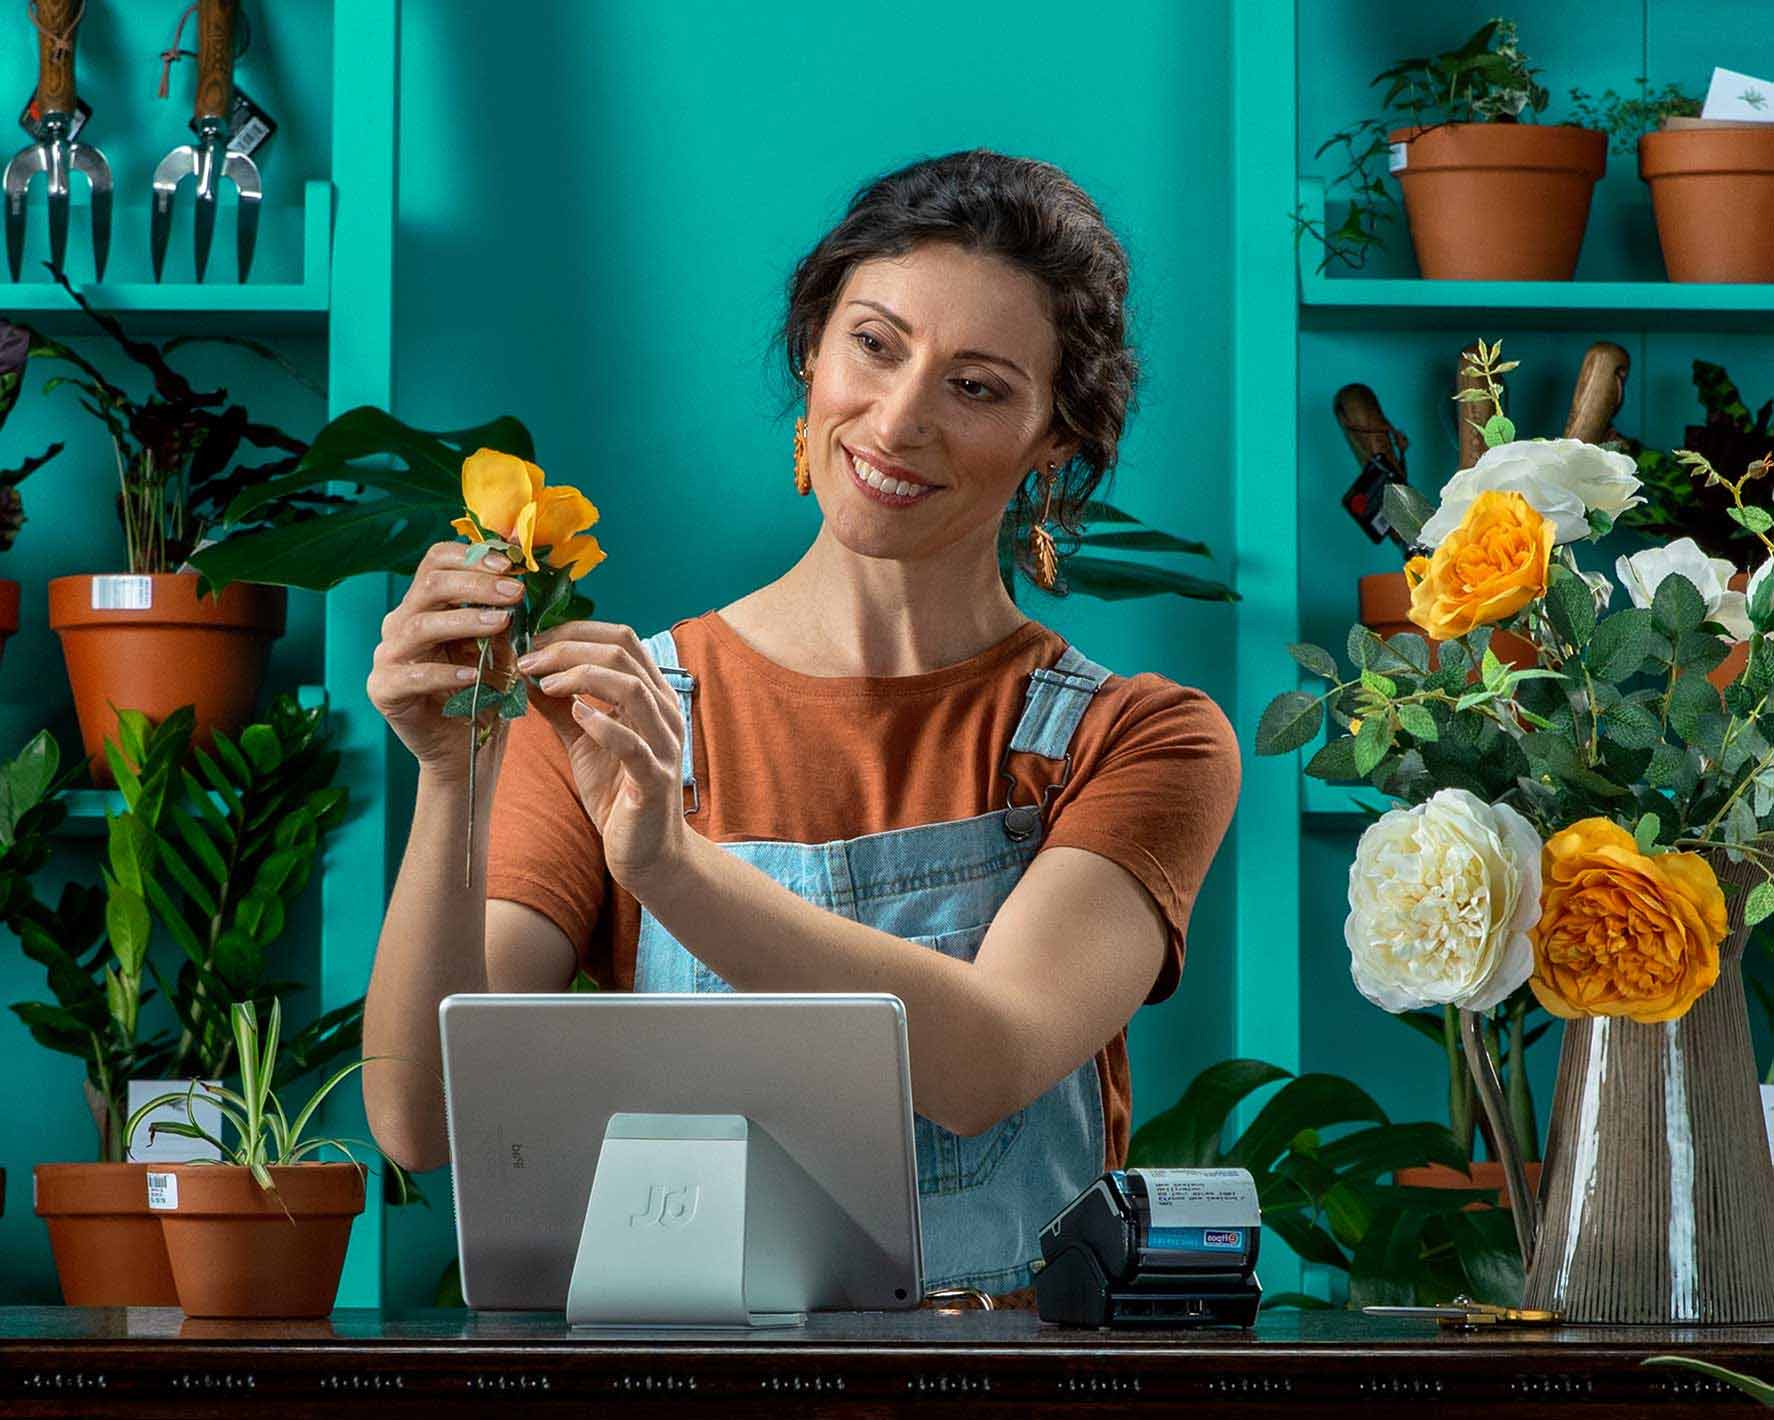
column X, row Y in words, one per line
column 873, row 476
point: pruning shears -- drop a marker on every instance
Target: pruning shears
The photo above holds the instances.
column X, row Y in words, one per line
column 1464, row 1314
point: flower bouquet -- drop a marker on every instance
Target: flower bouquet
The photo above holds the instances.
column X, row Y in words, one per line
column 1598, row 826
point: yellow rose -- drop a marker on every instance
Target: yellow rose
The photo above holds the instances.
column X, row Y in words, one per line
column 1620, row 933
column 507, row 495
column 1488, row 568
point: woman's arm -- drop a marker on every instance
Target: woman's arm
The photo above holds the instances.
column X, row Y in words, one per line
column 1066, row 961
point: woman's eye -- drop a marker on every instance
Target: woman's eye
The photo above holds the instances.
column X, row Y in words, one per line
column 868, row 342
column 984, row 391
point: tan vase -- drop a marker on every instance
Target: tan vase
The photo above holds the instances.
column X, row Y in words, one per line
column 8, row 610
column 236, row 1253
column 107, row 1246
column 1385, row 603
column 1498, row 201
column 149, row 644
column 1487, row 1173
column 1712, row 190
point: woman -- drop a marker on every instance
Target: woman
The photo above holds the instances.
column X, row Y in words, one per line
column 872, row 774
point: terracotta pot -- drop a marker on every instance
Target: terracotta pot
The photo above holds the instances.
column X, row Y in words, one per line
column 148, row 644
column 234, row 1250
column 1737, row 657
column 1385, row 610
column 107, row 1246
column 8, row 610
column 1712, row 190
column 1498, row 201
column 1486, row 1174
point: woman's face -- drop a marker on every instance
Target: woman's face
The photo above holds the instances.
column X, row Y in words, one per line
column 934, row 368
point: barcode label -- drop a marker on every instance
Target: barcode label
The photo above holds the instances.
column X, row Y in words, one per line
column 163, row 1191
column 1396, row 158
column 122, row 593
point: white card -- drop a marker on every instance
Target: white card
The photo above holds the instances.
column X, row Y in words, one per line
column 172, row 1148
column 1738, row 96
column 1201, row 1198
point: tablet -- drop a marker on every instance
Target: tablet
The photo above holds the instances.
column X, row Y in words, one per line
column 531, row 1080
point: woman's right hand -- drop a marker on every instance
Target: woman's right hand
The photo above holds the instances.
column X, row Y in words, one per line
column 428, row 653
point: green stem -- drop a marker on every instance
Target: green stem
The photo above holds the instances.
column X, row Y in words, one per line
column 480, row 674
column 1459, row 1084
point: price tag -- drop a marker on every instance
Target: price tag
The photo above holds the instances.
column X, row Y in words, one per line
column 31, row 119
column 163, row 1192
column 249, row 125
column 121, row 593
column 1395, row 158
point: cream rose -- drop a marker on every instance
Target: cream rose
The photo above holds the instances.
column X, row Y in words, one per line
column 1441, row 897
column 1562, row 479
column 1643, row 572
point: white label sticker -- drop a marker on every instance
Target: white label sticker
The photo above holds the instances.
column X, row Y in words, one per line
column 1395, row 159
column 122, row 593
column 1201, row 1198
column 1739, row 98
column 163, row 1190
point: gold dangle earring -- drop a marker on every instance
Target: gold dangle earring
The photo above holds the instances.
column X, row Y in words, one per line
column 803, row 470
column 1041, row 551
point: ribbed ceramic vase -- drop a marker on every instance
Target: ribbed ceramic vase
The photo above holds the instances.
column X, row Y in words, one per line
column 1657, row 1197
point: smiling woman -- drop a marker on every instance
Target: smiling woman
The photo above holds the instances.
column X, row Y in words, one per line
column 873, row 773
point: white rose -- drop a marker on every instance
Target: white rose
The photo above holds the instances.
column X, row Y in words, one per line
column 1643, row 572
column 1441, row 897
column 1562, row 479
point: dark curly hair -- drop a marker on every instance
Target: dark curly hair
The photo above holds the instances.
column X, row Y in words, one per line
column 1032, row 215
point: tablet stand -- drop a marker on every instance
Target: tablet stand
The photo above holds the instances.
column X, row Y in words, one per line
column 664, row 1240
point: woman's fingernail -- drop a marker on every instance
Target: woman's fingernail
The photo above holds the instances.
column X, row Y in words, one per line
column 507, row 587
column 493, row 616
column 550, row 682
column 465, row 672
column 498, row 562
column 527, row 661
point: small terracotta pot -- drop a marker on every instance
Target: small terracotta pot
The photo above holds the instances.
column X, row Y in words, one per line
column 107, row 1246
column 1487, row 1174
column 1385, row 610
column 1498, row 201
column 235, row 1252
column 148, row 643
column 1712, row 190
column 8, row 610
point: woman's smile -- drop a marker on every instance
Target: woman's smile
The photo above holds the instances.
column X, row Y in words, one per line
column 882, row 488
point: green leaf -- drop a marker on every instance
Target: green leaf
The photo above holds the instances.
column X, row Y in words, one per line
column 1289, row 721
column 1757, row 520
column 1749, row 1385
column 1491, row 671
column 1631, row 726
column 1692, row 699
column 1699, row 651
column 1677, row 605
column 260, row 744
column 1416, row 720
column 515, row 702
column 1314, row 1101
column 1335, row 761
column 1119, row 581
column 1761, row 605
column 1498, row 430
column 1645, row 834
column 1187, row 1135
column 1379, row 684
column 1760, row 902
column 1407, row 510
column 1314, row 659
column 1571, row 607
column 1620, row 645
column 1372, row 742
column 128, row 926
column 1405, row 651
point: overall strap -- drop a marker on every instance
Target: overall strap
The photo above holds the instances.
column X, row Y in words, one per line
column 664, row 651
column 1057, row 698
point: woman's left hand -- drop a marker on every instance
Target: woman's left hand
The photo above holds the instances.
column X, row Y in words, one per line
column 627, row 763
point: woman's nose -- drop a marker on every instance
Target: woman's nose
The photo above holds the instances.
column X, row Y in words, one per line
column 903, row 413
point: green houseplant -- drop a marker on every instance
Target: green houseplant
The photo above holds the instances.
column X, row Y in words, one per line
column 224, row 1221
column 15, row 350
column 144, row 639
column 1488, row 193
column 1327, row 1194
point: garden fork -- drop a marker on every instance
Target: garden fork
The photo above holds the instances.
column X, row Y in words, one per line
column 55, row 153
column 210, row 157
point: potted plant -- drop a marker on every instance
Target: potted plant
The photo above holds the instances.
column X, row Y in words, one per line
column 1488, row 194
column 215, row 849
column 15, row 350
column 147, row 640
column 1599, row 828
column 1320, row 1150
column 262, row 1232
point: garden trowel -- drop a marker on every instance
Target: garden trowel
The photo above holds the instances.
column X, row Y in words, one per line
column 55, row 154
column 210, row 157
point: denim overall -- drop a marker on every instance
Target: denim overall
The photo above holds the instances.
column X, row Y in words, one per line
column 982, row 1199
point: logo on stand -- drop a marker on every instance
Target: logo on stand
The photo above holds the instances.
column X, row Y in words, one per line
column 667, row 1206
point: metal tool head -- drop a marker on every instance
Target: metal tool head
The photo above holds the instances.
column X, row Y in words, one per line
column 56, row 155
column 209, row 162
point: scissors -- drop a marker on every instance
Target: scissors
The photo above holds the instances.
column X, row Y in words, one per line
column 1464, row 1314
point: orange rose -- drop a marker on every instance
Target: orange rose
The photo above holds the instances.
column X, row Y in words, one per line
column 507, row 496
column 1488, row 568
column 1620, row 933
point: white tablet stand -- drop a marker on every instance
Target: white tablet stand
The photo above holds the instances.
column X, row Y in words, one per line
column 664, row 1241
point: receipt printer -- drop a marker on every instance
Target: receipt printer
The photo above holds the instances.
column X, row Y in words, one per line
column 1154, row 1247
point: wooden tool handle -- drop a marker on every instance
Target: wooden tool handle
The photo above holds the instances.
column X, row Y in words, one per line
column 215, row 57
column 1369, row 432
column 55, row 71
column 1599, row 393
column 1472, row 443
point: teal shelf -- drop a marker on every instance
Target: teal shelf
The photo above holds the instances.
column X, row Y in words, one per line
column 1351, row 302
column 1340, row 804
column 198, row 307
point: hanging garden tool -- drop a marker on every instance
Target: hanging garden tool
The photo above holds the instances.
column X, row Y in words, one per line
column 55, row 153
column 210, row 158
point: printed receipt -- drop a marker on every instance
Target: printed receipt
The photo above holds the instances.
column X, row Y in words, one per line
column 1201, row 1198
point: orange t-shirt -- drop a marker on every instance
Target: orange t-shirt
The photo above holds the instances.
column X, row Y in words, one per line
column 809, row 759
